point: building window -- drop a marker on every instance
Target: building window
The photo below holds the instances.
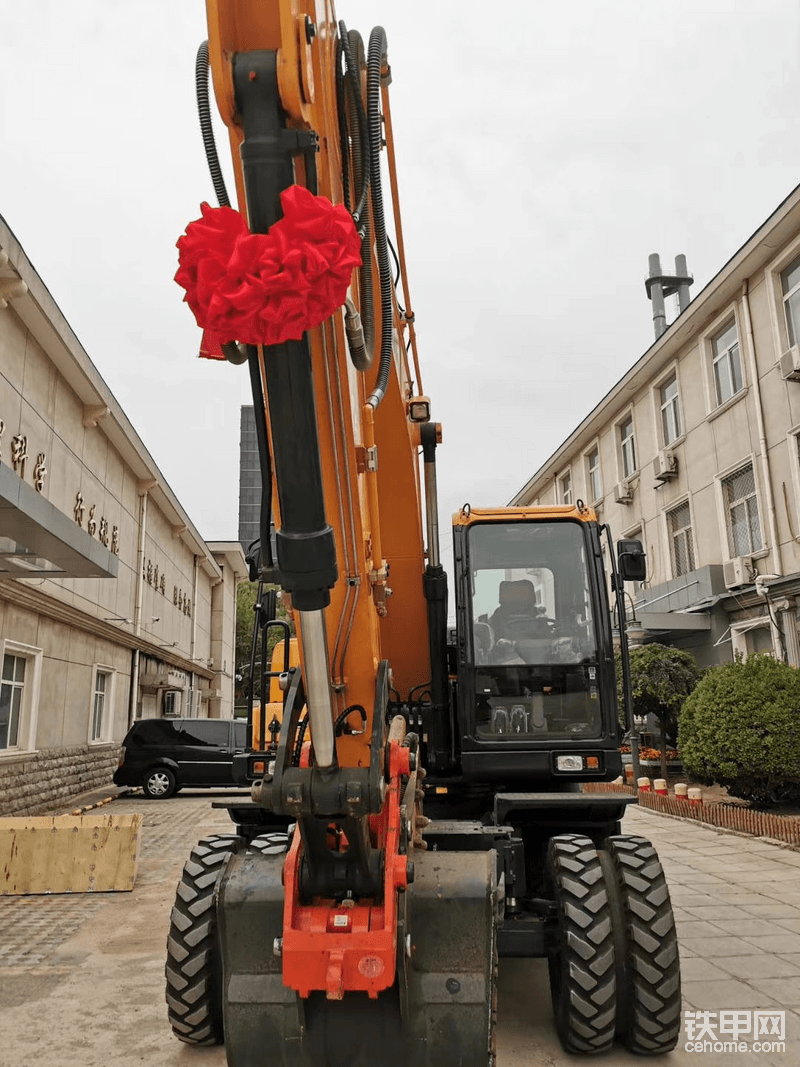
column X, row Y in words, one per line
column 670, row 414
column 741, row 512
column 627, row 447
column 99, row 705
column 19, row 696
column 566, row 489
column 679, row 522
column 171, row 705
column 790, row 284
column 593, row 474
column 727, row 364
column 101, row 720
column 12, row 690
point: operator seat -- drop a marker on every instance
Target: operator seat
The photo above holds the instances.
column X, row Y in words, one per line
column 517, row 601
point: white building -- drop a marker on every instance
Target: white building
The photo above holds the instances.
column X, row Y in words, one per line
column 112, row 607
column 697, row 452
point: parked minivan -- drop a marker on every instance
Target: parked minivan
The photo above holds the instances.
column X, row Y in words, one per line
column 164, row 755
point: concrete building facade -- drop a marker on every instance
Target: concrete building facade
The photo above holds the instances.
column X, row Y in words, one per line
column 696, row 451
column 112, row 607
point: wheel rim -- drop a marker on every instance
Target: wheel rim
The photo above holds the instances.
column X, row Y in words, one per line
column 158, row 783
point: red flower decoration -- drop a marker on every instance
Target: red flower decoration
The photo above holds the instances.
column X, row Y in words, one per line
column 268, row 288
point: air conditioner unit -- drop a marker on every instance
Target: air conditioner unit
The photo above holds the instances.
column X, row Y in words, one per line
column 790, row 364
column 665, row 465
column 623, row 494
column 737, row 571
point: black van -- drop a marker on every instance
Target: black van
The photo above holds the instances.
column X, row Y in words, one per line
column 164, row 755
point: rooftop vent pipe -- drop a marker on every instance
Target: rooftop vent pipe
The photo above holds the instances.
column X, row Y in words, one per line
column 660, row 283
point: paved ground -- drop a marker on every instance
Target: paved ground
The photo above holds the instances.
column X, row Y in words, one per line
column 81, row 978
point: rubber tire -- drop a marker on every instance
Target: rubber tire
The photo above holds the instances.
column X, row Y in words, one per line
column 193, row 969
column 648, row 963
column 582, row 969
column 271, row 844
column 159, row 775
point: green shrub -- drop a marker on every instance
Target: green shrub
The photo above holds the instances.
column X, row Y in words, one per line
column 662, row 677
column 741, row 729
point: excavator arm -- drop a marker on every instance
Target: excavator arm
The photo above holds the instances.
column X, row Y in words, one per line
column 316, row 944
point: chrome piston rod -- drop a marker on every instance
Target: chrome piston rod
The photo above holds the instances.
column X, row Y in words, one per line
column 314, row 638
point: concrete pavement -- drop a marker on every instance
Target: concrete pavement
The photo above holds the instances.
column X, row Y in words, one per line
column 81, row 978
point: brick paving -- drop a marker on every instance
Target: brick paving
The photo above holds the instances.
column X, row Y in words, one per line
column 90, row 967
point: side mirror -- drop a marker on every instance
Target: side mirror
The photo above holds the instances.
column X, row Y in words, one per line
column 631, row 561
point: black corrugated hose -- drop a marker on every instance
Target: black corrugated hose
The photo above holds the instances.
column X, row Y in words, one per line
column 352, row 116
column 204, row 112
column 375, row 57
column 234, row 353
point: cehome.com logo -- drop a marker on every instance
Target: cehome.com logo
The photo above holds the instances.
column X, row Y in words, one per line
column 723, row 1031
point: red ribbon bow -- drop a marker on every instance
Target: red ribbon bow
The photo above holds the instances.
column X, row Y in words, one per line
column 264, row 289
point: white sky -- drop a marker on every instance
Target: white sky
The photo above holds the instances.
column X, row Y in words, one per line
column 544, row 150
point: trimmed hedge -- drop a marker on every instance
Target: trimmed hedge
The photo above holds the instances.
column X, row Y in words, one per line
column 741, row 729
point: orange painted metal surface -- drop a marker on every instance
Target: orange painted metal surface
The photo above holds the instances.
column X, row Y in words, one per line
column 468, row 515
column 338, row 947
column 359, row 635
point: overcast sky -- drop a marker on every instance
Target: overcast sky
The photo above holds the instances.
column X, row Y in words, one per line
column 544, row 150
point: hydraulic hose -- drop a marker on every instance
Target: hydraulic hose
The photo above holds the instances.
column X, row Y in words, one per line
column 352, row 117
column 375, row 58
column 344, row 140
column 353, row 48
column 232, row 352
column 204, row 113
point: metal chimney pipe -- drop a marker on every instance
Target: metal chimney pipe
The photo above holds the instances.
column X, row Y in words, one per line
column 657, row 295
column 682, row 271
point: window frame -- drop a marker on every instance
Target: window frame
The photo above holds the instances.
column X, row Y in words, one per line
column 725, row 527
column 773, row 271
column 674, row 403
column 793, row 444
column 740, row 630
column 727, row 355
column 29, row 710
column 106, row 733
column 785, row 297
column 567, row 490
column 593, row 450
column 176, row 701
column 729, row 316
column 626, row 418
column 669, row 510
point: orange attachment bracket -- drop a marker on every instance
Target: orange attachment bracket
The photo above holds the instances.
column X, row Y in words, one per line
column 347, row 946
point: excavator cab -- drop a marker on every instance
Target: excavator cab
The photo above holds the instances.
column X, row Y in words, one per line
column 536, row 687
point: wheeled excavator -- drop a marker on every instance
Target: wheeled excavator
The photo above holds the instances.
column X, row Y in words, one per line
column 416, row 811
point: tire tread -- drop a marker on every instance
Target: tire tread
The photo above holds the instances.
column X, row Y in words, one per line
column 194, row 1004
column 583, row 978
column 650, row 1024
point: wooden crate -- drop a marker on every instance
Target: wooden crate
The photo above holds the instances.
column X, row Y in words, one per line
column 68, row 853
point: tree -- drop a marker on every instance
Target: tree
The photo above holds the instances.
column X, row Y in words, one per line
column 739, row 729
column 246, row 596
column 662, row 678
